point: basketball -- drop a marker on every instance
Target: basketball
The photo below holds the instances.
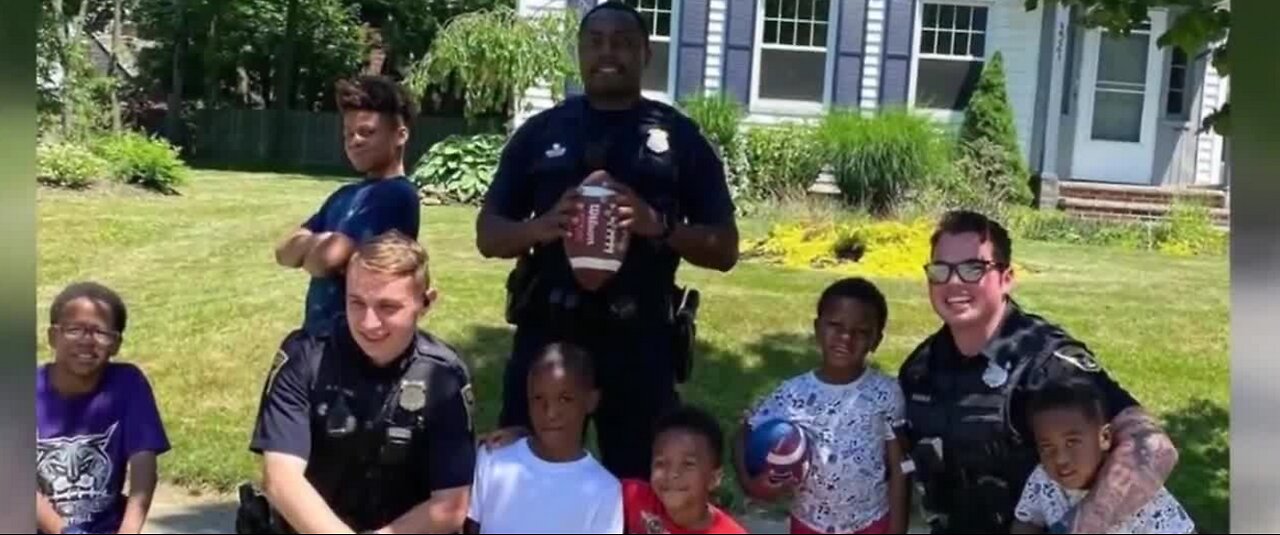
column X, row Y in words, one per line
column 598, row 246
column 778, row 448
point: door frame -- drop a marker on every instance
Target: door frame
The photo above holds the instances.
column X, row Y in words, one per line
column 1118, row 161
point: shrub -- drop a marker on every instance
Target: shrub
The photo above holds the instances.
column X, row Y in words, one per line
column 67, row 165
column 144, row 161
column 880, row 160
column 1189, row 231
column 784, row 160
column 990, row 136
column 459, row 168
column 718, row 116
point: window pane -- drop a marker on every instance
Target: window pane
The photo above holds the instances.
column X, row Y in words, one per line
column 947, row 17
column 772, row 8
column 961, row 45
column 978, row 45
column 664, row 25
column 820, row 35
column 1117, row 116
column 789, row 9
column 946, row 84
column 930, row 16
column 771, row 32
column 792, row 75
column 1123, row 59
column 787, row 35
column 927, row 38
column 806, row 9
column 944, row 42
column 980, row 18
column 1174, row 106
column 962, row 17
column 655, row 76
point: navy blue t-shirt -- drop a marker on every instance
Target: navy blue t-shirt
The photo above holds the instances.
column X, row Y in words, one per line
column 360, row 211
column 652, row 148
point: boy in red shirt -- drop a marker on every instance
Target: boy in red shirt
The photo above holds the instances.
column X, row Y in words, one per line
column 687, row 449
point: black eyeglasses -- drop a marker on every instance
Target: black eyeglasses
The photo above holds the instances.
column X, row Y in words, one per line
column 969, row 271
column 79, row 332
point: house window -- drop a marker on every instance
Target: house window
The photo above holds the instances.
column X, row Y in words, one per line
column 793, row 50
column 658, row 16
column 952, row 51
column 1176, row 100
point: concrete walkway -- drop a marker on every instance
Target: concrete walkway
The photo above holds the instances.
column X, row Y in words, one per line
column 177, row 511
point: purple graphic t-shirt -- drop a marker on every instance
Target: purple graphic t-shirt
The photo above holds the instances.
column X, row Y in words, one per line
column 83, row 445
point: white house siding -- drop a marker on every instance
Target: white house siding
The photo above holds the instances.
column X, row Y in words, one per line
column 1209, row 145
column 538, row 98
column 715, row 44
column 1015, row 33
column 872, row 50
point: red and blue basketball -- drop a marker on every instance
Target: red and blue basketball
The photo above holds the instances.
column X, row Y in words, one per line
column 779, row 448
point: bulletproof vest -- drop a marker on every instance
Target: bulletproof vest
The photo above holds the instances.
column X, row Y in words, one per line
column 627, row 150
column 968, row 411
column 362, row 474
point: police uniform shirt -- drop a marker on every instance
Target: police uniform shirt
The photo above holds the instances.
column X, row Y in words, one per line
column 441, row 456
column 961, row 399
column 652, row 148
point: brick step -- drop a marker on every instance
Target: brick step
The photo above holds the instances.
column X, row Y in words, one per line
column 1142, row 194
column 1130, row 211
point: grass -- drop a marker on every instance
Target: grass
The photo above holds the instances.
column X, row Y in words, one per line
column 209, row 307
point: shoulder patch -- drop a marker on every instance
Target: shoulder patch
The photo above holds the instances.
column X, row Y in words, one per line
column 277, row 364
column 1079, row 357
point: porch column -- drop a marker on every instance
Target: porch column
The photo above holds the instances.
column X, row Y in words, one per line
column 1053, row 122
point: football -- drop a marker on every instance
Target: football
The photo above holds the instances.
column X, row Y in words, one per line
column 597, row 246
column 778, row 448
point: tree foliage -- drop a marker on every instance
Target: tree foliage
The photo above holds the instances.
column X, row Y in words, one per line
column 1198, row 26
column 492, row 55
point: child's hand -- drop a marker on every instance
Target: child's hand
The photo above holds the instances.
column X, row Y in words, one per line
column 503, row 437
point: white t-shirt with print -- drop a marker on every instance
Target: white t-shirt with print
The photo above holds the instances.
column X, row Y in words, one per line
column 1044, row 502
column 515, row 491
column 846, row 489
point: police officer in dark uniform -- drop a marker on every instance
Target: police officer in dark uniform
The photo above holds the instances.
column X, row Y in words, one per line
column 967, row 385
column 673, row 199
column 369, row 429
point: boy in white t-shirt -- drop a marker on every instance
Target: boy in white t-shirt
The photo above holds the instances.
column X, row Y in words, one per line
column 1073, row 438
column 548, row 482
column 855, row 482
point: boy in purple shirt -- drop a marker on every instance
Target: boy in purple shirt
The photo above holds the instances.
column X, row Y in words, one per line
column 95, row 421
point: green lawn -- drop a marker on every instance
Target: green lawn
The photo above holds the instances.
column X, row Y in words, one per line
column 209, row 306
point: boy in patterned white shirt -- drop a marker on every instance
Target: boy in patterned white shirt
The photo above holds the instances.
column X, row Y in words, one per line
column 855, row 483
column 1073, row 438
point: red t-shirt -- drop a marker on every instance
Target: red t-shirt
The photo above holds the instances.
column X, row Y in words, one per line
column 645, row 513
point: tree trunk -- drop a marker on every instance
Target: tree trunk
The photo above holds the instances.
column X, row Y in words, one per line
column 113, row 71
column 173, row 121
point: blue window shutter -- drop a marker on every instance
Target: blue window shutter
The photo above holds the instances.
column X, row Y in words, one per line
column 851, row 29
column 582, row 6
column 691, row 60
column 739, row 47
column 896, row 61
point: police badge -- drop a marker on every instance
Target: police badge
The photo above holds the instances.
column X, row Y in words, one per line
column 659, row 141
column 413, row 395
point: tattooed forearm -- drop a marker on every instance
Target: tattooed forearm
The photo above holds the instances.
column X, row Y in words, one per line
column 1141, row 459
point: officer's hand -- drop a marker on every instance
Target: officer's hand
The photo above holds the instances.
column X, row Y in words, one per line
column 769, row 490
column 503, row 437
column 557, row 223
column 634, row 214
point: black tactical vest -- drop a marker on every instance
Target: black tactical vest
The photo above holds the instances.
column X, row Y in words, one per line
column 974, row 407
column 362, row 465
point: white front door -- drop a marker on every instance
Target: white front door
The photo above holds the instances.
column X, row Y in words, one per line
column 1119, row 94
